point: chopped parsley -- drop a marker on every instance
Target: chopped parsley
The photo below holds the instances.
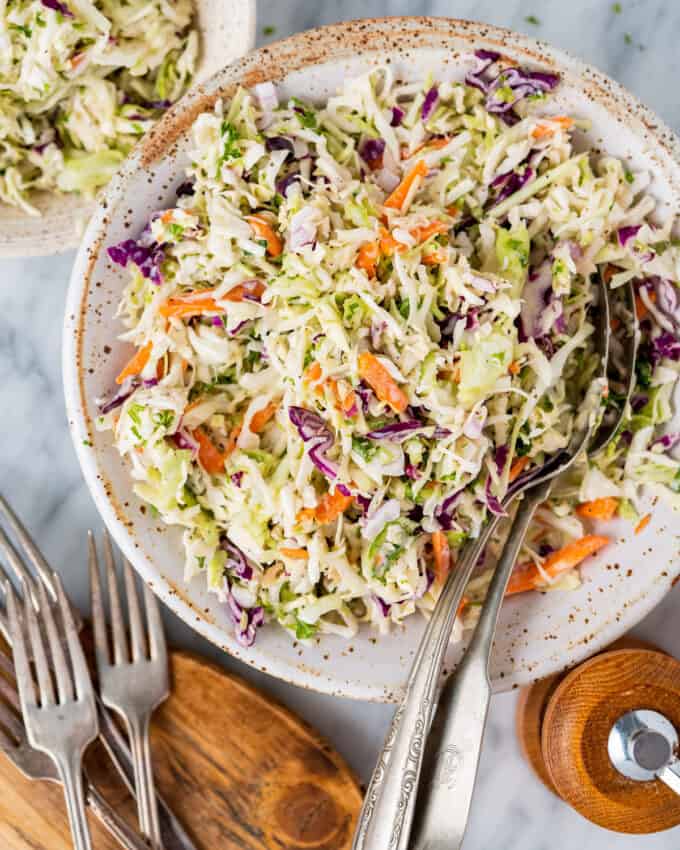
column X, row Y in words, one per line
column 532, row 19
column 268, row 30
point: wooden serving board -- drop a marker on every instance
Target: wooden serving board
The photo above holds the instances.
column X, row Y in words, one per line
column 240, row 771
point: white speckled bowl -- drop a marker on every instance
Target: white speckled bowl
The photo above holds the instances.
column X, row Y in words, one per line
column 227, row 30
column 538, row 633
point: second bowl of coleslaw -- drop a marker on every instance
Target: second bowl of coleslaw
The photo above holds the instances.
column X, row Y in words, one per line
column 81, row 83
column 352, row 309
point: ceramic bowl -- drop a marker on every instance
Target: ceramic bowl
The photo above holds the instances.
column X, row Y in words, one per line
column 538, row 634
column 227, row 30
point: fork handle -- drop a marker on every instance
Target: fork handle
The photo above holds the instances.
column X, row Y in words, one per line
column 387, row 812
column 112, row 821
column 70, row 771
column 147, row 808
column 455, row 743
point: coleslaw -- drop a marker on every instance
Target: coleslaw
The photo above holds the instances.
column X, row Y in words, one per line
column 80, row 83
column 360, row 324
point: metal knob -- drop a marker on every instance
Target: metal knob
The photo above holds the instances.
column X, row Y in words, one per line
column 643, row 745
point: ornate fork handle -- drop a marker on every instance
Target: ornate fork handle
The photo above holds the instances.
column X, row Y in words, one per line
column 387, row 812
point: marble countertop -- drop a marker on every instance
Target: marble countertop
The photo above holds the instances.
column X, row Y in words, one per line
column 39, row 473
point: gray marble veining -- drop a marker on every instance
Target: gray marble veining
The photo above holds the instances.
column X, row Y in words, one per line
column 39, row 474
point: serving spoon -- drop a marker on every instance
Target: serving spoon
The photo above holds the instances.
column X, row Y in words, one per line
column 389, row 805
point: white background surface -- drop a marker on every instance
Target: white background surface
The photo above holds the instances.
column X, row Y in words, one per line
column 39, row 474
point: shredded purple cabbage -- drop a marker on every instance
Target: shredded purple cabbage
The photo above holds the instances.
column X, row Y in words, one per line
column 237, row 478
column 57, row 6
column 186, row 188
column 382, row 605
column 397, row 116
column 147, row 254
column 412, row 472
column 520, row 82
column 124, row 391
column 397, row 431
column 429, row 103
column 667, row 441
column 280, row 143
column 492, row 502
column 511, row 182
column 501, row 457
column 444, row 513
column 624, row 234
column 372, row 152
column 665, row 345
column 284, row 184
column 246, row 620
column 237, row 562
column 183, row 440
column 313, row 430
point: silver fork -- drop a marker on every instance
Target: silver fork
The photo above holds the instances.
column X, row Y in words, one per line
column 174, row 836
column 136, row 681
column 36, row 765
column 60, row 724
column 387, row 813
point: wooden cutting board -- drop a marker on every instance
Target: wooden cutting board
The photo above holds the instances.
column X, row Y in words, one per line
column 240, row 771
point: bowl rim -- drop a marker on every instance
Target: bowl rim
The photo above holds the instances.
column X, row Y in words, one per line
column 272, row 62
column 65, row 213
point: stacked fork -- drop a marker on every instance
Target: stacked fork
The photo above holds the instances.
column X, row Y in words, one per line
column 50, row 716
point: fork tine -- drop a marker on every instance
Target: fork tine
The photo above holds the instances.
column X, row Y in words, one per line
column 22, row 668
column 31, row 551
column 157, row 645
column 61, row 672
column 120, row 650
column 101, row 641
column 17, row 566
column 137, row 638
column 81, row 674
column 42, row 669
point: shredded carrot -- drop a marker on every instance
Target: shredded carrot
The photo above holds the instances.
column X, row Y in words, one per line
column 296, row 554
column 528, row 577
column 230, row 445
column 381, row 382
column 241, row 290
column 265, row 231
column 136, row 364
column 200, row 301
column 644, row 522
column 514, row 368
column 260, row 419
column 615, row 324
column 388, row 244
column 517, row 466
column 367, row 257
column 442, row 556
column 609, row 272
column 436, row 258
column 77, row 60
column 453, row 211
column 604, row 508
column 462, row 605
column 422, row 234
column 312, row 372
column 211, row 458
column 330, row 506
column 433, row 144
column 398, row 198
column 545, row 129
column 166, row 218
column 641, row 309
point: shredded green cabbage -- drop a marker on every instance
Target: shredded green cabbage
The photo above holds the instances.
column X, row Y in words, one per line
column 323, row 388
column 80, row 83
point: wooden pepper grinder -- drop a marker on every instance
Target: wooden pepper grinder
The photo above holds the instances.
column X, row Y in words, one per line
column 604, row 737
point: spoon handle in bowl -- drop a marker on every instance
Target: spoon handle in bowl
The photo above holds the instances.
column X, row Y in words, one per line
column 387, row 812
column 455, row 741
